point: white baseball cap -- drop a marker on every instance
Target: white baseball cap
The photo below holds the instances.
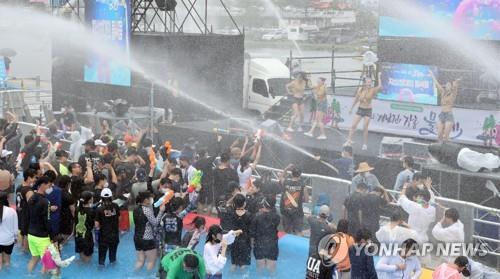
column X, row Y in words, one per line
column 99, row 142
column 106, row 193
column 324, row 210
column 5, row 153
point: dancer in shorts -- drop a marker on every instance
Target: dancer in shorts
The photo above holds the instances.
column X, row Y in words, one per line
column 364, row 97
column 321, row 109
column 297, row 88
column 448, row 95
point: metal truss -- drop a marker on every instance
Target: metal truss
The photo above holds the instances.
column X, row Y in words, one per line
column 147, row 16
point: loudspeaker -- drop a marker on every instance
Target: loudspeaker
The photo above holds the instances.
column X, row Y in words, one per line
column 419, row 151
column 392, row 147
column 166, row 5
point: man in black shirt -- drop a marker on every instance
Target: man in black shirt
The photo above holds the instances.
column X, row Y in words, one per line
column 23, row 195
column 353, row 207
column 292, row 198
column 39, row 225
column 320, row 227
column 222, row 176
column 375, row 202
column 90, row 155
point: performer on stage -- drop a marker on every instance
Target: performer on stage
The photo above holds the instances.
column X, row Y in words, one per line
column 296, row 88
column 321, row 109
column 364, row 96
column 448, row 95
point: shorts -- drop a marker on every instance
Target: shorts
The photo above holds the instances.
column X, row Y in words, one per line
column 144, row 245
column 6, row 249
column 266, row 251
column 292, row 224
column 84, row 246
column 298, row 100
column 322, row 106
column 446, row 117
column 38, row 245
column 364, row 112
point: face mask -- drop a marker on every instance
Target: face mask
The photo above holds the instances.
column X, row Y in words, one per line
column 216, row 240
column 420, row 201
column 106, row 185
column 420, row 186
column 49, row 190
column 151, row 200
column 163, row 190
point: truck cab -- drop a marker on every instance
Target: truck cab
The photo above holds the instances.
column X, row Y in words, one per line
column 264, row 83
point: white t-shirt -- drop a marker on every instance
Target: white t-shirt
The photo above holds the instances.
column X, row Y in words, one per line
column 214, row 261
column 451, row 234
column 8, row 227
column 395, row 235
column 244, row 176
column 420, row 218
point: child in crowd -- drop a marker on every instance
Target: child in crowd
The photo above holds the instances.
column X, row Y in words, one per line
column 214, row 252
column 51, row 259
column 192, row 237
column 106, row 223
column 171, row 224
column 85, row 216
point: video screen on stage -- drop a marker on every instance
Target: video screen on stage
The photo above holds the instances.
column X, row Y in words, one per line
column 478, row 18
column 109, row 19
column 408, row 83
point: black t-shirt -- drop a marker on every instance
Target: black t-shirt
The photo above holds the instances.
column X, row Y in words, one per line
column 108, row 221
column 77, row 186
column 94, row 157
column 319, row 229
column 66, row 225
column 84, row 222
column 292, row 198
column 39, row 216
column 353, row 204
column 254, row 202
column 222, row 177
column 372, row 210
column 22, row 203
column 317, row 270
column 172, row 226
column 264, row 228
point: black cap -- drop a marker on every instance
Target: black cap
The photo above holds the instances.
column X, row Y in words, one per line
column 90, row 142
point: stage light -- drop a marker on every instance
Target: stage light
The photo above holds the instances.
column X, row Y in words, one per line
column 166, row 5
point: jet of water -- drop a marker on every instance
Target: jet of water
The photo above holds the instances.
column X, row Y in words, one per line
column 89, row 41
column 272, row 7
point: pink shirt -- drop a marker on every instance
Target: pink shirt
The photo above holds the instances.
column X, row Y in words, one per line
column 444, row 271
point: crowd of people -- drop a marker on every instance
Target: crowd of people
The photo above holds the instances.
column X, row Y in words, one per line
column 88, row 198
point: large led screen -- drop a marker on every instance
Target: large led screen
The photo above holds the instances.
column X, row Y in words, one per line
column 408, row 83
column 479, row 19
column 110, row 20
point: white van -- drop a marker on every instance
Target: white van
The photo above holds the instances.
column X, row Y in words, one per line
column 297, row 33
column 264, row 83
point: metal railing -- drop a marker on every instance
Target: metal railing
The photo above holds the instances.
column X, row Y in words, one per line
column 481, row 223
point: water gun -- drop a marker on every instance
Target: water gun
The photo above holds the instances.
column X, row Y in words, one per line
column 195, row 184
column 165, row 199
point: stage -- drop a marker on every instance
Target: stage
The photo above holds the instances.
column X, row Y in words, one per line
column 451, row 183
